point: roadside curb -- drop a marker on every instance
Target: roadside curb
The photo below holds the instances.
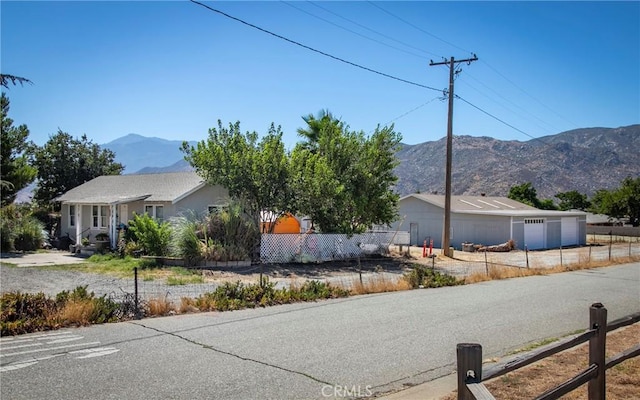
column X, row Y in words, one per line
column 432, row 390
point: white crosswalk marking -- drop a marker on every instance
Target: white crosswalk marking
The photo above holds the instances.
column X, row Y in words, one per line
column 17, row 352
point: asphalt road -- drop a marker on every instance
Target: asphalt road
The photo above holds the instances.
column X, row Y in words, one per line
column 364, row 345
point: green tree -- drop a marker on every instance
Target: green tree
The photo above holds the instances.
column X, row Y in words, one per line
column 343, row 180
column 65, row 162
column 526, row 193
column 573, row 200
column 14, row 152
column 621, row 202
column 315, row 126
column 254, row 172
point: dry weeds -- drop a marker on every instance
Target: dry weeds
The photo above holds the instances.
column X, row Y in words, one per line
column 496, row 272
column 76, row 312
column 376, row 284
column 623, row 380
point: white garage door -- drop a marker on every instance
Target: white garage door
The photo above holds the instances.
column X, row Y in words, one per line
column 569, row 231
column 534, row 233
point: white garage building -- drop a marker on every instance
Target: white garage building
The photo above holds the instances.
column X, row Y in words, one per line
column 488, row 221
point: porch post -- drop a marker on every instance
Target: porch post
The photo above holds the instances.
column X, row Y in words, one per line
column 78, row 224
column 112, row 225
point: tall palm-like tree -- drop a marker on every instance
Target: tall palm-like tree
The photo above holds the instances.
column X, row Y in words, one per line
column 5, row 78
column 316, row 125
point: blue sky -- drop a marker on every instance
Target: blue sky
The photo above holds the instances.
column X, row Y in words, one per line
column 172, row 69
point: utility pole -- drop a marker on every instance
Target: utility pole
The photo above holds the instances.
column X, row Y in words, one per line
column 446, row 231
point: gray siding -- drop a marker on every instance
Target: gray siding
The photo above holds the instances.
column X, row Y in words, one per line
column 200, row 200
column 479, row 229
column 554, row 232
column 517, row 232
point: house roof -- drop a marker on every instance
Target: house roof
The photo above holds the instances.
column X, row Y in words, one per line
column 114, row 189
column 488, row 205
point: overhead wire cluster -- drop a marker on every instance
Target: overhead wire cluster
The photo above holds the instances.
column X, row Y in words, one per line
column 372, row 70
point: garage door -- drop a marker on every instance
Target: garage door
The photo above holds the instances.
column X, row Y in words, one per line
column 534, row 233
column 569, row 231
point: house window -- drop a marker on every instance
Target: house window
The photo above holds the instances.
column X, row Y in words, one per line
column 99, row 216
column 72, row 215
column 155, row 211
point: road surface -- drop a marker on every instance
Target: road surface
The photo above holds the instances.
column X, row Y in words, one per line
column 359, row 346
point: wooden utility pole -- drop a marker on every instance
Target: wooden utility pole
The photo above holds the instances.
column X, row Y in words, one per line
column 446, row 231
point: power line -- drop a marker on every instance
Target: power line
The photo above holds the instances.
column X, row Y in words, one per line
column 313, row 49
column 352, row 31
column 408, row 112
column 525, row 92
column 498, row 94
column 372, row 30
column 417, row 27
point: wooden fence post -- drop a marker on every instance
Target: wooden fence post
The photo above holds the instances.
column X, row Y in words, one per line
column 469, row 358
column 597, row 346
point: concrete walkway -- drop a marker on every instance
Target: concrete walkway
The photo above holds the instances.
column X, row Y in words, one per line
column 41, row 258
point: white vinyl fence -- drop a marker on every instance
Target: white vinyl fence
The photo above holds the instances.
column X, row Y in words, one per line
column 321, row 247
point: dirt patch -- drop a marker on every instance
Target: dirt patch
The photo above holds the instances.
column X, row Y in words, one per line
column 623, row 380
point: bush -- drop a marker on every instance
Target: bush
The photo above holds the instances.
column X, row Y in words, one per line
column 237, row 295
column 19, row 231
column 421, row 276
column 25, row 312
column 185, row 242
column 152, row 237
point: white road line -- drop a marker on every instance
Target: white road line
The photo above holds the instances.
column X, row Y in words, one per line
column 25, row 363
column 97, row 352
column 66, row 339
column 49, row 349
column 31, row 337
column 19, row 346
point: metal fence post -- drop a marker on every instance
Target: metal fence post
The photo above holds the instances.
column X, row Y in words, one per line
column 597, row 346
column 486, row 265
column 526, row 254
column 561, row 265
column 610, row 243
column 469, row 358
column 135, row 300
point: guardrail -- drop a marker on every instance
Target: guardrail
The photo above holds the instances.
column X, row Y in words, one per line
column 471, row 375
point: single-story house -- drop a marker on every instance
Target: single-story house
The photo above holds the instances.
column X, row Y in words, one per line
column 105, row 203
column 488, row 221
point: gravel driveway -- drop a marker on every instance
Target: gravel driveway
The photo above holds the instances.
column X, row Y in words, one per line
column 31, row 274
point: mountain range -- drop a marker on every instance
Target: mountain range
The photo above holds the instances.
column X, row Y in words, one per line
column 585, row 160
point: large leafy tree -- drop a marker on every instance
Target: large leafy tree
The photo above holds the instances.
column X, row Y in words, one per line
column 573, row 200
column 621, row 202
column 527, row 194
column 14, row 158
column 253, row 171
column 342, row 179
column 65, row 162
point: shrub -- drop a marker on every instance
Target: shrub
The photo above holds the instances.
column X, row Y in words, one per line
column 421, row 276
column 185, row 242
column 19, row 231
column 152, row 237
column 25, row 312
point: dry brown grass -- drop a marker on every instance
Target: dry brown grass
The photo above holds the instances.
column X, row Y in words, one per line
column 376, row 284
column 160, row 306
column 504, row 272
column 76, row 312
column 623, row 380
